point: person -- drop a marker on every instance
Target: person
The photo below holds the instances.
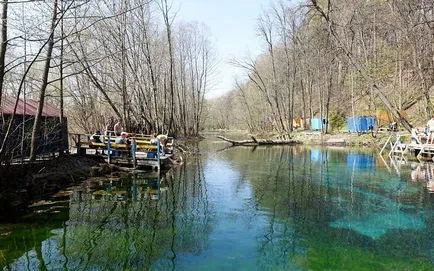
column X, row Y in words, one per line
column 163, row 140
column 118, row 128
column 96, row 137
column 393, row 126
column 122, row 138
column 430, row 126
column 415, row 138
column 154, row 139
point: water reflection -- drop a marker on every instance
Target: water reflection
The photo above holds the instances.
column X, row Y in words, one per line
column 268, row 208
column 135, row 187
column 319, row 200
column 423, row 172
column 136, row 222
column 361, row 161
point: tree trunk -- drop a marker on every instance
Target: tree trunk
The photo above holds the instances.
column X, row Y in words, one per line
column 165, row 9
column 362, row 71
column 255, row 142
column 61, row 80
column 4, row 44
column 38, row 117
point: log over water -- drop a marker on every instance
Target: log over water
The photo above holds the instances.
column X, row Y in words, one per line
column 256, row 142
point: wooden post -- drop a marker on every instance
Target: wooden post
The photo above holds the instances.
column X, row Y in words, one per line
column 108, row 147
column 158, row 154
column 158, row 185
column 80, row 150
column 77, row 143
column 133, row 152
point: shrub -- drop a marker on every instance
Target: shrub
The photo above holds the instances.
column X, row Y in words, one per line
column 336, row 120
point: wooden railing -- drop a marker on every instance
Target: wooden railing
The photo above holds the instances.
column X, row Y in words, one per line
column 135, row 143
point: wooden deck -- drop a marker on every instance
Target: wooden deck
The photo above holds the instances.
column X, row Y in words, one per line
column 422, row 151
column 138, row 152
column 406, row 151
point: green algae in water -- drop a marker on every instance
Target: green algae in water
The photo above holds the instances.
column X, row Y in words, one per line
column 335, row 256
column 243, row 209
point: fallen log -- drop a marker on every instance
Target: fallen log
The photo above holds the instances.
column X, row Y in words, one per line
column 256, row 142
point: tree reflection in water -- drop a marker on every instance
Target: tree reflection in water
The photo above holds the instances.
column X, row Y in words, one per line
column 136, row 222
column 314, row 203
column 278, row 208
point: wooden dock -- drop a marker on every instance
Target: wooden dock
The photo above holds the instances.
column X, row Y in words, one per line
column 406, row 151
column 140, row 151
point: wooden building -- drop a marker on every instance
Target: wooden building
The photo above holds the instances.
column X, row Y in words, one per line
column 53, row 133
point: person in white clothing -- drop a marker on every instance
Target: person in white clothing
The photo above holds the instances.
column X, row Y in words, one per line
column 430, row 125
column 415, row 138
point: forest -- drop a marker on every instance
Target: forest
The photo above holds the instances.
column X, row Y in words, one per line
column 132, row 60
column 98, row 60
column 331, row 59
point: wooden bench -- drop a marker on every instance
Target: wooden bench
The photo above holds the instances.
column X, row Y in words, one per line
column 120, row 146
column 143, row 143
column 95, row 145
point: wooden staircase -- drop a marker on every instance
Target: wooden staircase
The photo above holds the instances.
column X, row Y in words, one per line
column 397, row 148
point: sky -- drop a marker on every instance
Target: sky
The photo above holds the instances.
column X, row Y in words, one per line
column 232, row 30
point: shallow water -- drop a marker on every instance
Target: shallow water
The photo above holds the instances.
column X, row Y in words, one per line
column 275, row 208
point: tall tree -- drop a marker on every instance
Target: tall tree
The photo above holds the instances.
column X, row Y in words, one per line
column 3, row 45
column 38, row 117
column 165, row 9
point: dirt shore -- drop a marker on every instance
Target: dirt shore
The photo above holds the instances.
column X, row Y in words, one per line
column 22, row 184
column 341, row 139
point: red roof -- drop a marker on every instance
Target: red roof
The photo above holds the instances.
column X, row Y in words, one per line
column 30, row 106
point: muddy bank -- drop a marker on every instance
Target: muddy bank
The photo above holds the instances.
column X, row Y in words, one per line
column 342, row 139
column 316, row 138
column 20, row 185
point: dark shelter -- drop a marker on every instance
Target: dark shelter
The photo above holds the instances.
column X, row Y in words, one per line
column 52, row 135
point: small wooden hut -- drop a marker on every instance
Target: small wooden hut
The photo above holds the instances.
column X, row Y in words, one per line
column 53, row 133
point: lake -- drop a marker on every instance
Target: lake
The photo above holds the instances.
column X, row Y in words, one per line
column 242, row 208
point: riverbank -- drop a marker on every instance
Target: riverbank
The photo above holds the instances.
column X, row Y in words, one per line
column 20, row 185
column 375, row 140
column 342, row 139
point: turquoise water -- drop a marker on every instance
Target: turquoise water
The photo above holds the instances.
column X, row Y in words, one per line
column 278, row 208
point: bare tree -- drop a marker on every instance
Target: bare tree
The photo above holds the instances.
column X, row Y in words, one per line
column 3, row 45
column 38, row 117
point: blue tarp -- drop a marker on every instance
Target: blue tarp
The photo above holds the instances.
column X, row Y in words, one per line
column 361, row 124
column 316, row 124
column 371, row 122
